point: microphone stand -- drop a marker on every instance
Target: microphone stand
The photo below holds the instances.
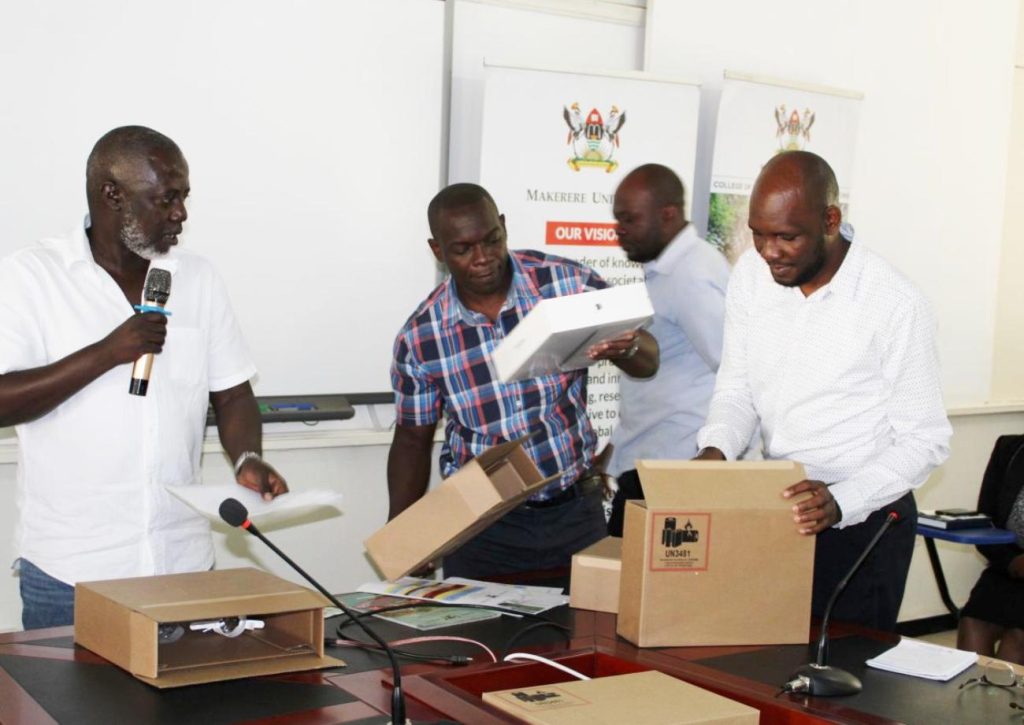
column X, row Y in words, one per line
column 819, row 678
column 397, row 696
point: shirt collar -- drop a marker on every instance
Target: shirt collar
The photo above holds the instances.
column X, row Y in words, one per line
column 844, row 281
column 673, row 252
column 78, row 251
column 522, row 292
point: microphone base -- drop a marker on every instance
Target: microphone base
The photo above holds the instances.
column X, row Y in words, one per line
column 828, row 681
column 138, row 386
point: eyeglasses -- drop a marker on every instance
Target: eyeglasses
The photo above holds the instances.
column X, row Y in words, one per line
column 997, row 674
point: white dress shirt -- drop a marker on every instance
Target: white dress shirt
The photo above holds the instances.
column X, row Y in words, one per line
column 659, row 416
column 845, row 381
column 91, row 472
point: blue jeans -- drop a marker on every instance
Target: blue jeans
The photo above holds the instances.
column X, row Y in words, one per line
column 45, row 601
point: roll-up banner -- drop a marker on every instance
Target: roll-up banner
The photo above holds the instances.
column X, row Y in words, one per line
column 759, row 118
column 554, row 147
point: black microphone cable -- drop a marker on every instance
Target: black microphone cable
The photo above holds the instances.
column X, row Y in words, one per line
column 234, row 513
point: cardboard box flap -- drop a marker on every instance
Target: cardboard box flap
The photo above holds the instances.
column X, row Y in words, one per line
column 496, row 454
column 199, row 595
column 239, row 670
column 604, row 554
column 384, row 543
column 716, row 485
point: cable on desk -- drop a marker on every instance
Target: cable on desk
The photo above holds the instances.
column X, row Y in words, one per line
column 457, row 660
column 562, row 629
column 426, row 603
column 516, row 656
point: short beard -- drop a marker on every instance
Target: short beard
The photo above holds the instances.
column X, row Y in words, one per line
column 811, row 272
column 133, row 238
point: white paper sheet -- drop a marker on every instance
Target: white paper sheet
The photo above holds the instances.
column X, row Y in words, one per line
column 923, row 659
column 207, row 500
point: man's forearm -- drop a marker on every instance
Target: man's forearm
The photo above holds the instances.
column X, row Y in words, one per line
column 408, row 470
column 29, row 394
column 238, row 420
column 644, row 362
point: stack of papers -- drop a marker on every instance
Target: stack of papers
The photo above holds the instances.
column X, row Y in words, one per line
column 206, row 499
column 455, row 590
column 416, row 616
column 922, row 659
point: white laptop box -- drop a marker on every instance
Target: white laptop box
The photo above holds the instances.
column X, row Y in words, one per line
column 555, row 335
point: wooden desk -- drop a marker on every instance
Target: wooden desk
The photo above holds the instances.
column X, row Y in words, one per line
column 44, row 679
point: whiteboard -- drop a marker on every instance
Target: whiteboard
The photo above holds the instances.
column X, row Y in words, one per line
column 313, row 132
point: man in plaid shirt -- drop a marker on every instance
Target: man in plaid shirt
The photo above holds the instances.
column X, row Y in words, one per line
column 442, row 365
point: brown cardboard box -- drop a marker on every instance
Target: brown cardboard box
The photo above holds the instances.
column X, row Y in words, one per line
column 119, row 618
column 595, row 576
column 460, row 507
column 712, row 556
column 652, row 698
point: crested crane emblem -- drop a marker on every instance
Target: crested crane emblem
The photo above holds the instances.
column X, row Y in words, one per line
column 593, row 139
column 793, row 132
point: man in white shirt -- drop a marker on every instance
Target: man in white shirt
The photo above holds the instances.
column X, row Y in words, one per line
column 833, row 352
column 686, row 279
column 93, row 459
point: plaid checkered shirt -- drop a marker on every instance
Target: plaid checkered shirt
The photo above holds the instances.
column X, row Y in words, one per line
column 442, row 362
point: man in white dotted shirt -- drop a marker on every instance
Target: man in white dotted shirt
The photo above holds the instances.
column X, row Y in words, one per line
column 832, row 351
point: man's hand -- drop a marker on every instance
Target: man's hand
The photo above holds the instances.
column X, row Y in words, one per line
column 426, row 571
column 709, row 454
column 136, row 336
column 817, row 512
column 259, row 476
column 1016, row 567
column 622, row 347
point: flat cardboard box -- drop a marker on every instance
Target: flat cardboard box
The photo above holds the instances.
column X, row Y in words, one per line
column 713, row 557
column 460, row 507
column 652, row 698
column 555, row 335
column 119, row 620
column 594, row 583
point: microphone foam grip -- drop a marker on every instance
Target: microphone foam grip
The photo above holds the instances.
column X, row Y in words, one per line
column 233, row 511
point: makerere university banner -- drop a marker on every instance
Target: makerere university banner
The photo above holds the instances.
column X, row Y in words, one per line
column 759, row 118
column 554, row 147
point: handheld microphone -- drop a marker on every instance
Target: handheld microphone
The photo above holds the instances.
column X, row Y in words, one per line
column 818, row 678
column 235, row 514
column 155, row 293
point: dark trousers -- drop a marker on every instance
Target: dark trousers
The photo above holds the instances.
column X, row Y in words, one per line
column 530, row 539
column 873, row 596
column 629, row 489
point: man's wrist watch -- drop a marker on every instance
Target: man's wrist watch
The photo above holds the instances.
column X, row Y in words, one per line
column 632, row 351
column 246, row 456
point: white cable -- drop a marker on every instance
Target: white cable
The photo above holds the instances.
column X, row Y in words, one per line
column 545, row 661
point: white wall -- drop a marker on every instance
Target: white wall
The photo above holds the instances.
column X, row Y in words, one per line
column 303, row 122
column 930, row 169
column 353, row 461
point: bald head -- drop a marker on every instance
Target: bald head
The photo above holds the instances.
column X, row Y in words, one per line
column 122, row 157
column 665, row 188
column 794, row 219
column 136, row 183
column 456, row 196
column 800, row 171
column 649, row 211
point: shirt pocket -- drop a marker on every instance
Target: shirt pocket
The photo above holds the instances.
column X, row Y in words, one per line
column 184, row 356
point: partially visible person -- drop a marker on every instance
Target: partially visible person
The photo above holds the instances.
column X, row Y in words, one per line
column 992, row 621
column 93, row 459
column 442, row 367
column 686, row 278
column 833, row 352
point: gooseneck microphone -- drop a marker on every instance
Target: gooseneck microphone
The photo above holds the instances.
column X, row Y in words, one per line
column 154, row 294
column 235, row 514
column 818, row 678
